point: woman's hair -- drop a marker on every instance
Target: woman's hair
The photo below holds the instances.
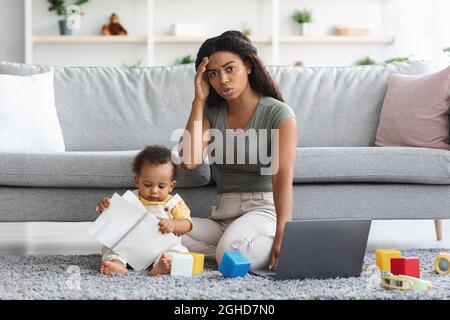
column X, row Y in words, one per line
column 153, row 155
column 237, row 42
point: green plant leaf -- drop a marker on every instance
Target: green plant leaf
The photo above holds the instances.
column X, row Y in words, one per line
column 366, row 61
column 247, row 31
column 135, row 65
column 185, row 60
column 81, row 2
column 397, row 60
column 302, row 16
column 60, row 6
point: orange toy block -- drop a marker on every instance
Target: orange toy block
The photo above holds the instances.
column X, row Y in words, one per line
column 384, row 257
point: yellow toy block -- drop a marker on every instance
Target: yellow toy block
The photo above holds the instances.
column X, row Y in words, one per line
column 384, row 258
column 198, row 262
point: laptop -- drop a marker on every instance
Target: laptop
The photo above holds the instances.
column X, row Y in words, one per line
column 320, row 249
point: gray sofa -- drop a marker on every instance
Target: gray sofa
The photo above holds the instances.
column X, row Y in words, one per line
column 108, row 114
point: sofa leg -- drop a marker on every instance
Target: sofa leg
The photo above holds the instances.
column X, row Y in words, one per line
column 438, row 227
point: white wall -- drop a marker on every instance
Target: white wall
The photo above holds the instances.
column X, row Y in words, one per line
column 11, row 30
column 414, row 23
column 216, row 16
column 326, row 15
column 422, row 30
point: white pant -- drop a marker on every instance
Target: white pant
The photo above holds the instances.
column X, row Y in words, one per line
column 242, row 221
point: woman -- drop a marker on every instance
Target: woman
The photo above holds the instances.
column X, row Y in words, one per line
column 234, row 91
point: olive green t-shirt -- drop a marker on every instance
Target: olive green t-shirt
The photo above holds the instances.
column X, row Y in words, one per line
column 241, row 159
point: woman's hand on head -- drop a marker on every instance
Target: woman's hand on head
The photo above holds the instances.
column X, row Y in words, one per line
column 201, row 84
column 102, row 205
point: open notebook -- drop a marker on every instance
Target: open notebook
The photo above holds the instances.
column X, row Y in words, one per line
column 131, row 230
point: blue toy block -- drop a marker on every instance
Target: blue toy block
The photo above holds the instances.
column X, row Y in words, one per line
column 234, row 264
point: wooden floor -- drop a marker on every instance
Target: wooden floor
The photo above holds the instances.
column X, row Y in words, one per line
column 43, row 238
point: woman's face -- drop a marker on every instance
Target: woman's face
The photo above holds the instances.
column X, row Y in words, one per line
column 227, row 74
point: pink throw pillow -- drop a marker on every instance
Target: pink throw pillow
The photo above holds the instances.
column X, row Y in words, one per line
column 415, row 111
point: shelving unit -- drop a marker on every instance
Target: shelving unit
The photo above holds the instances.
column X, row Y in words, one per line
column 31, row 40
column 150, row 40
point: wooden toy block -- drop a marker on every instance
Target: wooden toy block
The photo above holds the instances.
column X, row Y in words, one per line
column 383, row 257
column 198, row 262
column 234, row 264
column 406, row 266
column 181, row 265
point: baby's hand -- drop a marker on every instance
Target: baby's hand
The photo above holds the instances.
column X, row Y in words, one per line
column 166, row 226
column 102, row 205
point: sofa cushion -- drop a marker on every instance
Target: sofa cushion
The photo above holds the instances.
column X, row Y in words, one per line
column 335, row 106
column 134, row 105
column 415, row 111
column 339, row 106
column 385, row 165
column 82, row 169
column 29, row 122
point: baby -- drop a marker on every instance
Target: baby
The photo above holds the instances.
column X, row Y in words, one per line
column 155, row 178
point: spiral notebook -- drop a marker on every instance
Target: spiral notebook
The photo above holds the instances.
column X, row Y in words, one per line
column 132, row 230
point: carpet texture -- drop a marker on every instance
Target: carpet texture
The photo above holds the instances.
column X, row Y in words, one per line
column 77, row 277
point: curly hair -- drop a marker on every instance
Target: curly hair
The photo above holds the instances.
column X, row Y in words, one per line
column 237, row 42
column 153, row 155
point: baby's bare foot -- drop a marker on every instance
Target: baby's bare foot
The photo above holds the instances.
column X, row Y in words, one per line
column 114, row 266
column 162, row 267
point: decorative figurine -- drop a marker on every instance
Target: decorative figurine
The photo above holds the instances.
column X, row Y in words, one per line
column 114, row 28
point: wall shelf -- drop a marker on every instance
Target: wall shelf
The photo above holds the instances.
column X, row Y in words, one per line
column 182, row 40
column 90, row 39
column 337, row 39
column 175, row 39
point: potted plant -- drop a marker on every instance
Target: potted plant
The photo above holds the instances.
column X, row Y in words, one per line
column 136, row 65
column 303, row 17
column 396, row 60
column 447, row 51
column 185, row 60
column 365, row 62
column 246, row 30
column 59, row 6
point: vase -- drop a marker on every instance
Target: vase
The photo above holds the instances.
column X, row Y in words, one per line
column 63, row 29
column 304, row 28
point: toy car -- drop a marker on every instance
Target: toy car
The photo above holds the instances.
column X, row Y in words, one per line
column 401, row 282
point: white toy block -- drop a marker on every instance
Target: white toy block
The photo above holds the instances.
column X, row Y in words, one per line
column 187, row 30
column 181, row 265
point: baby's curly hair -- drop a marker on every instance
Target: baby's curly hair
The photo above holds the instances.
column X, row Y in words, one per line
column 154, row 154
